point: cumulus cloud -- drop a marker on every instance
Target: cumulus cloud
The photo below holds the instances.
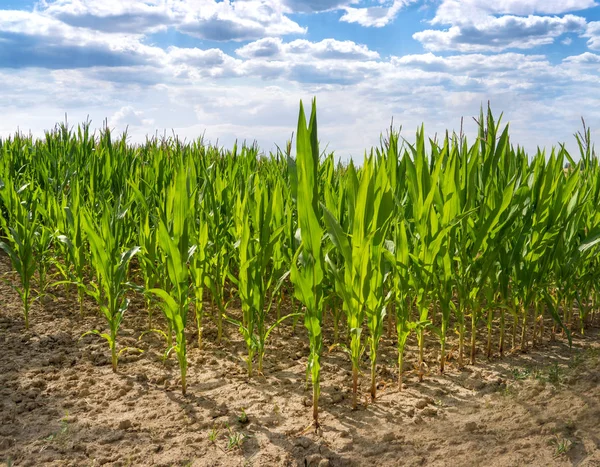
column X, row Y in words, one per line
column 127, row 116
column 275, row 48
column 313, row 6
column 205, row 19
column 480, row 25
column 586, row 58
column 30, row 39
column 111, row 15
column 500, row 33
column 375, row 16
column 593, row 32
column 461, row 11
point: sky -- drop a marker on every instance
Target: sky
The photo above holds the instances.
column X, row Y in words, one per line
column 232, row 70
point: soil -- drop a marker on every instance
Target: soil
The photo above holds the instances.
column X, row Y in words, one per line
column 61, row 405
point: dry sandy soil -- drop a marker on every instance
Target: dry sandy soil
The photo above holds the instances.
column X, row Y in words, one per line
column 60, row 403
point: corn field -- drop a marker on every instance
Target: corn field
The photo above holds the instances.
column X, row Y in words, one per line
column 475, row 243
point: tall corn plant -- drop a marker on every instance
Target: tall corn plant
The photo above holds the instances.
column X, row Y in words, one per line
column 308, row 264
column 217, row 202
column 256, row 245
column 427, row 232
column 198, row 270
column 176, row 248
column 105, row 237
column 20, row 229
column 361, row 282
column 72, row 237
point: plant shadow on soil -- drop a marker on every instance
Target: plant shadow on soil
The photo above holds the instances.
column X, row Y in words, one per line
column 60, row 403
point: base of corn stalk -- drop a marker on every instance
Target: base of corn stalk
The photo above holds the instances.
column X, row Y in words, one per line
column 114, row 358
column 421, row 339
column 373, row 381
column 400, row 367
column 391, row 324
column 443, row 356
column 473, row 338
column 524, row 330
column 354, row 388
column 316, row 406
column 501, row 341
column 514, row 332
column 461, row 344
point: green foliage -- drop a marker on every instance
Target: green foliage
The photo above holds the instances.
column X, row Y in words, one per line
column 307, row 268
column 106, row 237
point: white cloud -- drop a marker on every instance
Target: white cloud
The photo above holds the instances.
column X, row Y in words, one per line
column 127, row 116
column 275, row 48
column 375, row 16
column 111, row 15
column 205, row 19
column 499, row 33
column 312, row 6
column 237, row 21
column 586, row 58
column 194, row 63
column 36, row 40
column 467, row 11
column 593, row 32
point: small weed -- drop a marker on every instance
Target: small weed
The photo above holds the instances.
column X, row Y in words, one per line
column 561, row 445
column 555, row 374
column 234, row 440
column 64, row 430
column 521, row 374
column 213, row 434
column 243, row 417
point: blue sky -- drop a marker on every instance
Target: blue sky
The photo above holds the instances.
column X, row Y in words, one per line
column 236, row 69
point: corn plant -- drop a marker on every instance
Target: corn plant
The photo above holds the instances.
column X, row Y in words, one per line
column 176, row 248
column 20, row 229
column 307, row 265
column 198, row 272
column 72, row 237
column 105, row 237
column 216, row 199
column 256, row 245
column 361, row 282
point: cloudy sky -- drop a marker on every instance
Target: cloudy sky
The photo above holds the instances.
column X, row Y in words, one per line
column 236, row 69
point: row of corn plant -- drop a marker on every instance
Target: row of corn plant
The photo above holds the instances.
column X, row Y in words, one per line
column 439, row 237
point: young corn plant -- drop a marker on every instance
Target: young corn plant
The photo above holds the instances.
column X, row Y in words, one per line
column 72, row 238
column 44, row 238
column 258, row 238
column 176, row 249
column 308, row 264
column 361, row 282
column 105, row 237
column 198, row 272
column 427, row 233
column 383, row 207
column 20, row 242
column 217, row 199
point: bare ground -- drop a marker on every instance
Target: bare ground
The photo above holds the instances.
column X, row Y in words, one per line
column 60, row 403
